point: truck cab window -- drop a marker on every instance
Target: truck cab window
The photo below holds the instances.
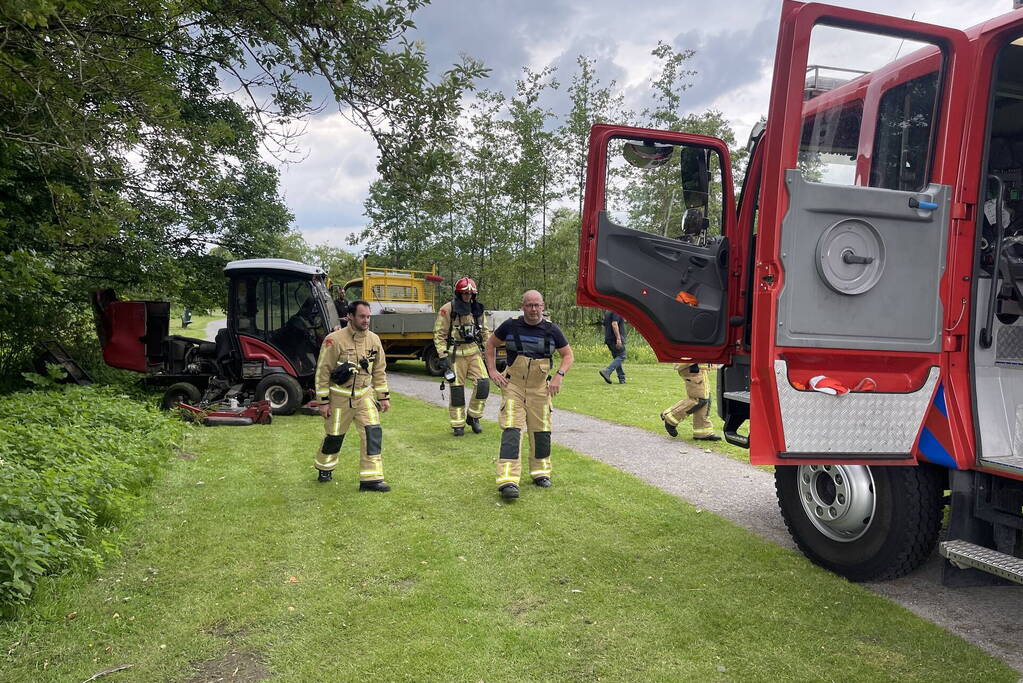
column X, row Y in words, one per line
column 665, row 196
column 902, row 139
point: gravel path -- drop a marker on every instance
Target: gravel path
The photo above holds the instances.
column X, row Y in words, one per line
column 214, row 326
column 991, row 617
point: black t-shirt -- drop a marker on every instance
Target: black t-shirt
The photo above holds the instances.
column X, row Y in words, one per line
column 609, row 334
column 531, row 341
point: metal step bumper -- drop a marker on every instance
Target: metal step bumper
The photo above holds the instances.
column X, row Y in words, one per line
column 965, row 555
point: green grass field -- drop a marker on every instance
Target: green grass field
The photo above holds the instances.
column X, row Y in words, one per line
column 243, row 565
column 649, row 389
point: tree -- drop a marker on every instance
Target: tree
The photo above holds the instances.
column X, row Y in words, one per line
column 591, row 104
column 131, row 130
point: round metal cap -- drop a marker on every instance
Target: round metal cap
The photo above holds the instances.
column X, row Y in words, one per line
column 850, row 256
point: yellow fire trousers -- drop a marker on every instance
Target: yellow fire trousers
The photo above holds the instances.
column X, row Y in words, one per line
column 696, row 402
column 525, row 404
column 467, row 362
column 362, row 410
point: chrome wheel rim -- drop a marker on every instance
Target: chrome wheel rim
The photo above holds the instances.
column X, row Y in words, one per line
column 277, row 396
column 838, row 499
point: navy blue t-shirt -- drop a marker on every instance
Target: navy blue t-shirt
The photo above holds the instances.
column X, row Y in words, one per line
column 531, row 341
column 609, row 334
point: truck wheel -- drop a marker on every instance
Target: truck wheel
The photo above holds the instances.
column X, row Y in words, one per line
column 182, row 392
column 864, row 523
column 282, row 391
column 432, row 361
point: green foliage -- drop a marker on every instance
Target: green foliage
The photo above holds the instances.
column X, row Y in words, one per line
column 72, row 463
column 243, row 557
column 131, row 134
column 507, row 210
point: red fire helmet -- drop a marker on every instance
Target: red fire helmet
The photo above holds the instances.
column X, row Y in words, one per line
column 465, row 284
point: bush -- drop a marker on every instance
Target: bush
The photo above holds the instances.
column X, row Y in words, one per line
column 72, row 463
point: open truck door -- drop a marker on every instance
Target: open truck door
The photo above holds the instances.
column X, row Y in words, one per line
column 657, row 238
column 859, row 193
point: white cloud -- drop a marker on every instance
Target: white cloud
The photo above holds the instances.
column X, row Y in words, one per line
column 335, row 236
column 330, row 182
column 735, row 41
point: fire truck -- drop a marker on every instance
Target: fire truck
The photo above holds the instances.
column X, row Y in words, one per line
column 862, row 295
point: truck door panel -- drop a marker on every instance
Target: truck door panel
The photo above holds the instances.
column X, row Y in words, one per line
column 856, row 209
column 655, row 245
column 891, row 303
column 649, row 271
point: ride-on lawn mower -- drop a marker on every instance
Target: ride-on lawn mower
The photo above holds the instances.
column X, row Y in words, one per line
column 278, row 313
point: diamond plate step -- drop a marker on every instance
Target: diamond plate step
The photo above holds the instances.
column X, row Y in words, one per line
column 964, row 555
column 741, row 396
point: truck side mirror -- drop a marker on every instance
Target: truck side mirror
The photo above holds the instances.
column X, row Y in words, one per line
column 695, row 173
column 647, row 155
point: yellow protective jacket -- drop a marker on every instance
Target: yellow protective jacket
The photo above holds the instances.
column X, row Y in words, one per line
column 444, row 325
column 349, row 345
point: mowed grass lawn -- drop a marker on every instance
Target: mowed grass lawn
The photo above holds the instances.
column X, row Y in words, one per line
column 649, row 388
column 242, row 566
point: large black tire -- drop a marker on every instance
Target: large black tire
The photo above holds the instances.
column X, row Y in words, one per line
column 864, row 523
column 282, row 391
column 182, row 392
column 432, row 361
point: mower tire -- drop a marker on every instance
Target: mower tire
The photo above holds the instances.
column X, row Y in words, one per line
column 182, row 392
column 282, row 391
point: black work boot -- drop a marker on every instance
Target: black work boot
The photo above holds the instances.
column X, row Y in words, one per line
column 378, row 486
column 459, row 431
column 509, row 491
column 709, row 437
column 670, row 429
column 474, row 422
column 543, row 482
column 324, row 476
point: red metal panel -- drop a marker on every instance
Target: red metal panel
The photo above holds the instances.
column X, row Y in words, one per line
column 254, row 349
column 783, row 138
column 126, row 323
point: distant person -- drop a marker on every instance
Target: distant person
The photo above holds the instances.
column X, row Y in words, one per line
column 614, row 339
column 696, row 403
column 341, row 305
column 351, row 384
column 459, row 334
column 528, row 387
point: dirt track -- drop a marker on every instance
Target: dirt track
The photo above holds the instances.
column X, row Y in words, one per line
column 991, row 618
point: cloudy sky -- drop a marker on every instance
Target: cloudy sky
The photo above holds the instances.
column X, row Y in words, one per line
column 734, row 42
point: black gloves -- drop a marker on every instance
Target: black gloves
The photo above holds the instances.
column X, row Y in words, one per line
column 342, row 373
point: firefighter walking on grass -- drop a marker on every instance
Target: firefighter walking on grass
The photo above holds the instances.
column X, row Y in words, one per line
column 696, row 403
column 458, row 335
column 351, row 386
column 528, row 386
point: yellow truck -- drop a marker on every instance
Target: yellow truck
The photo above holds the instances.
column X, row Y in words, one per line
column 403, row 304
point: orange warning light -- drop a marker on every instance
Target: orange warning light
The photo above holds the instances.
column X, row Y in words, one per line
column 687, row 298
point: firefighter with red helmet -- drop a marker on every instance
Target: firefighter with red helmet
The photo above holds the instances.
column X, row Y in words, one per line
column 459, row 334
column 696, row 403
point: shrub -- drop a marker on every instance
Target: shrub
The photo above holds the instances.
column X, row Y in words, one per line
column 72, row 463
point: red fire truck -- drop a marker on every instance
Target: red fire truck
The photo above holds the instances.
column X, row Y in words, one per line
column 863, row 294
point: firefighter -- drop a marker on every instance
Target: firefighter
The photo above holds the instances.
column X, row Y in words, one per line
column 528, row 387
column 696, row 403
column 351, row 386
column 458, row 335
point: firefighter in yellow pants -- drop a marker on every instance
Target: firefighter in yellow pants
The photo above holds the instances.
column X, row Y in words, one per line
column 696, row 403
column 351, row 381
column 528, row 386
column 458, row 333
